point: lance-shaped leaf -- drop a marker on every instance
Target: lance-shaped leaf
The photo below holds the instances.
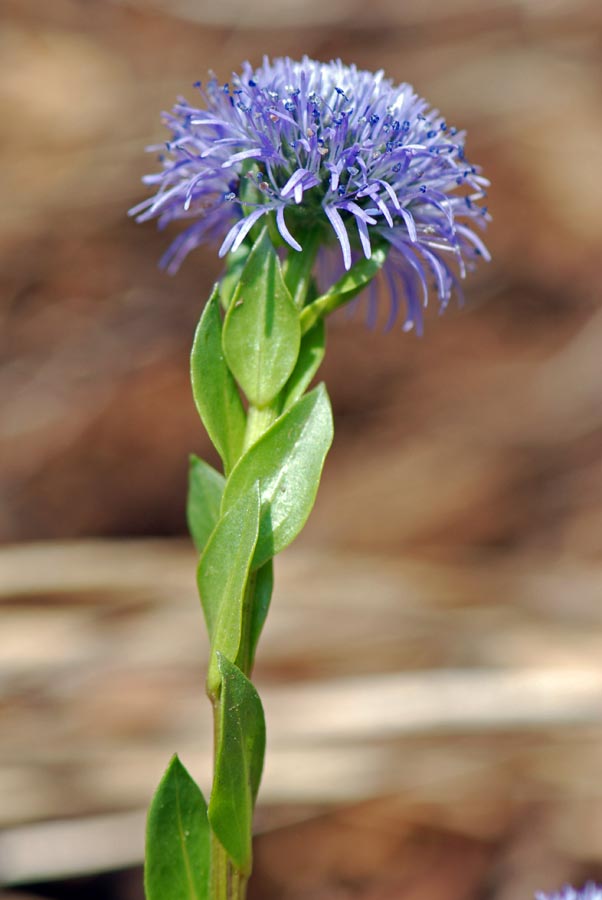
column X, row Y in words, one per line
column 262, row 331
column 177, row 839
column 311, row 354
column 298, row 267
column 235, row 263
column 205, row 489
column 214, row 389
column 262, row 595
column 222, row 579
column 287, row 463
column 345, row 289
column 238, row 763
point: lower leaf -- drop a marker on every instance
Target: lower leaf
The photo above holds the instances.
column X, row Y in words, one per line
column 238, row 764
column 176, row 865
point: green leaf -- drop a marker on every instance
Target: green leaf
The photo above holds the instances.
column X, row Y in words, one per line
column 177, row 839
column 311, row 354
column 235, row 263
column 238, row 763
column 205, row 489
column 345, row 289
column 262, row 595
column 287, row 462
column 298, row 267
column 214, row 389
column 261, row 332
column 222, row 579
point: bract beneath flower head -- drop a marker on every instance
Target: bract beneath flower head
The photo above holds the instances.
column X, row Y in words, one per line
column 324, row 148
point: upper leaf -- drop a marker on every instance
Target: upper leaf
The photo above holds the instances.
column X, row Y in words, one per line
column 205, row 489
column 262, row 595
column 262, row 332
column 345, row 289
column 235, row 263
column 177, row 839
column 311, row 354
column 287, row 462
column 214, row 389
column 222, row 578
column 238, row 763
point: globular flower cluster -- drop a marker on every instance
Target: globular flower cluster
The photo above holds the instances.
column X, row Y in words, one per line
column 327, row 149
column 589, row 892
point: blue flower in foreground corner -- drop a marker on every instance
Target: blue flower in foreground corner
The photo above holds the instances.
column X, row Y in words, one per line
column 589, row 892
column 324, row 148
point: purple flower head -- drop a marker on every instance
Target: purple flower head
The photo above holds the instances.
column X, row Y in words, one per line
column 326, row 149
column 589, row 892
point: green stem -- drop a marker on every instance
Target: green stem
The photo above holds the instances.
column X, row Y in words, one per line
column 258, row 422
column 227, row 883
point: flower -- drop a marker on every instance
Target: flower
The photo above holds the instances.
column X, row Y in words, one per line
column 323, row 148
column 589, row 892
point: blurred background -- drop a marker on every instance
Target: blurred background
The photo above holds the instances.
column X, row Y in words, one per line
column 432, row 668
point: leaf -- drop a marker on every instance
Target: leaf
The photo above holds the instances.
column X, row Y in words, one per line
column 238, row 763
column 287, row 462
column 177, row 839
column 298, row 267
column 262, row 595
column 345, row 289
column 261, row 332
column 214, row 389
column 235, row 263
column 222, row 579
column 311, row 354
column 205, row 489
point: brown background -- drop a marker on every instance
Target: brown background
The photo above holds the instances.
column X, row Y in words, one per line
column 470, row 459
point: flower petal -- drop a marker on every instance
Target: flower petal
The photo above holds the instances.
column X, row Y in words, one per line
column 290, row 240
column 254, row 153
column 341, row 233
column 240, row 230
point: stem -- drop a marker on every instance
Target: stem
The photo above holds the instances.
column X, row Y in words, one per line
column 227, row 883
column 258, row 421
